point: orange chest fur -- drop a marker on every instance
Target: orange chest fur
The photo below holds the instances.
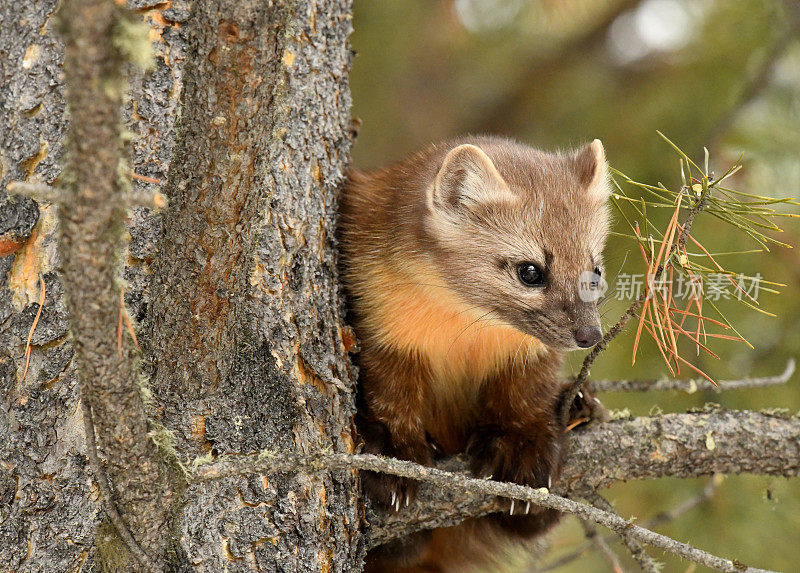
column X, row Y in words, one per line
column 460, row 348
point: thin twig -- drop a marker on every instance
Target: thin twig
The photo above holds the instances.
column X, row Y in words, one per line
column 119, row 322
column 577, row 553
column 687, row 505
column 107, row 498
column 44, row 192
column 145, row 178
column 594, row 538
column 123, row 316
column 271, row 462
column 580, row 379
column 692, row 385
column 33, row 327
column 658, row 519
column 38, row 191
column 647, row 563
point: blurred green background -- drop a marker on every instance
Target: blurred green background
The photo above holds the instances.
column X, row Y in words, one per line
column 724, row 74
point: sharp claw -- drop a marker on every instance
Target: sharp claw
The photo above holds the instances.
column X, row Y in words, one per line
column 394, row 498
column 407, row 500
column 580, row 394
column 397, row 506
column 512, row 508
column 597, row 400
column 527, row 508
column 549, row 482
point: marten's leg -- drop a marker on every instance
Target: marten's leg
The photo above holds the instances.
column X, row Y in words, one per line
column 519, row 439
column 392, row 394
column 393, row 390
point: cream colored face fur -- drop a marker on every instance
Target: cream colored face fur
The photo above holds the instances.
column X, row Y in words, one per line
column 491, row 209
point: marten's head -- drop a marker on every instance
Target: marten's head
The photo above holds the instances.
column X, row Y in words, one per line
column 519, row 234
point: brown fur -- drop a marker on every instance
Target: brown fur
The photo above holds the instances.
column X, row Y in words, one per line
column 457, row 355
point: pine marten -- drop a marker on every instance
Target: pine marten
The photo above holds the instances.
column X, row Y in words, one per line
column 462, row 266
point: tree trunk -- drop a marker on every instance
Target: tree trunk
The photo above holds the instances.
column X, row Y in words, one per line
column 245, row 122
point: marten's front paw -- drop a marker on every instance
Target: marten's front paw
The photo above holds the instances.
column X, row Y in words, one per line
column 391, row 491
column 533, row 460
column 586, row 408
column 388, row 491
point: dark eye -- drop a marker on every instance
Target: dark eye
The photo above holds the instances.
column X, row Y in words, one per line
column 598, row 273
column 530, row 274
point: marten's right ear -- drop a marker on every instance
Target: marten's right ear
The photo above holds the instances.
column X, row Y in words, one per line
column 467, row 178
column 592, row 170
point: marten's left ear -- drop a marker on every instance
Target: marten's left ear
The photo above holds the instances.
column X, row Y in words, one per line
column 590, row 166
column 467, row 178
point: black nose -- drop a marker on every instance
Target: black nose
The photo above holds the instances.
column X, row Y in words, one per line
column 587, row 336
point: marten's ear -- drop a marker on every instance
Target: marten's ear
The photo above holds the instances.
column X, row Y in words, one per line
column 467, row 178
column 590, row 166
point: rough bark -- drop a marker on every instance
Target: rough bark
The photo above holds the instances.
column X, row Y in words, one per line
column 243, row 328
column 260, row 157
column 49, row 508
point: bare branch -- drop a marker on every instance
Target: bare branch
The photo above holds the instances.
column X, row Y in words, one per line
column 705, row 495
column 647, row 564
column 43, row 192
column 681, row 445
column 692, row 385
column 39, row 191
column 658, row 519
column 463, row 484
column 757, row 82
column 601, row 544
column 506, row 110
column 135, row 483
column 642, row 448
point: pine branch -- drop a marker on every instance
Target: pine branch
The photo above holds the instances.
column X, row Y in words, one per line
column 612, row 333
column 692, row 385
